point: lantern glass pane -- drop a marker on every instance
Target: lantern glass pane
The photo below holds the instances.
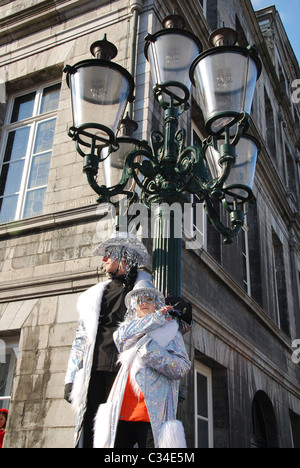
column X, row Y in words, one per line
column 99, row 97
column 243, row 171
column 170, row 58
column 212, row 157
column 226, row 82
column 114, row 162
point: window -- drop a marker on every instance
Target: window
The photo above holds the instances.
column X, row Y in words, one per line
column 264, row 423
column 291, row 172
column 254, row 255
column 203, row 4
column 8, row 359
column 195, row 218
column 26, row 153
column 270, row 127
column 203, row 407
column 279, row 281
column 246, row 259
column 295, row 427
column 195, row 224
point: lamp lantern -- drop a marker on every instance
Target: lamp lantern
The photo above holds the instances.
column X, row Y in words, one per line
column 170, row 53
column 113, row 159
column 100, row 91
column 240, row 181
column 225, row 77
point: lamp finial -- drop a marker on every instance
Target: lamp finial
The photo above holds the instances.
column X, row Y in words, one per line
column 174, row 21
column 223, row 37
column 104, row 50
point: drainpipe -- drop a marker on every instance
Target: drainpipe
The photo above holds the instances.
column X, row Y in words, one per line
column 136, row 8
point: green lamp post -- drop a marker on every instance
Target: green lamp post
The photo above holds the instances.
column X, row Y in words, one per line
column 165, row 171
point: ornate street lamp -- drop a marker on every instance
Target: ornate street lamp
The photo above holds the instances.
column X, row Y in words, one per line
column 166, row 171
column 100, row 91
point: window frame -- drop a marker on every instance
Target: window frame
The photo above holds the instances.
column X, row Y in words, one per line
column 32, row 123
column 196, row 238
column 204, row 7
column 12, row 348
column 246, row 258
column 199, row 368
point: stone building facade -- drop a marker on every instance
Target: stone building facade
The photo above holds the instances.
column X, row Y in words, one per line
column 244, row 388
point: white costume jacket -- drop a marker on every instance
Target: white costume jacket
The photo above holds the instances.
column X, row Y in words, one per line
column 153, row 354
column 81, row 357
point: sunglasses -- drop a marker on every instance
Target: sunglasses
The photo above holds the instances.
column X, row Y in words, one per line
column 146, row 299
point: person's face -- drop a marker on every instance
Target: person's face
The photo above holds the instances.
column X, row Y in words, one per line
column 2, row 420
column 113, row 266
column 145, row 308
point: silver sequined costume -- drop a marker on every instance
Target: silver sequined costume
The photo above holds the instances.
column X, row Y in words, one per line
column 154, row 355
column 81, row 357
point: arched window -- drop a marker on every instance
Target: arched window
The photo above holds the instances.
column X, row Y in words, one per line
column 264, row 424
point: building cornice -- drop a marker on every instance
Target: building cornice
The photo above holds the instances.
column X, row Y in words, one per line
column 21, row 21
column 41, row 223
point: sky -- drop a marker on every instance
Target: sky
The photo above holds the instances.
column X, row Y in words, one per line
column 289, row 11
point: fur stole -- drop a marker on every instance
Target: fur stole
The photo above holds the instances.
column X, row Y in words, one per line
column 89, row 303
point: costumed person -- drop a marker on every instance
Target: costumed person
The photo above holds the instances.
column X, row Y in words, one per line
column 3, row 421
column 93, row 360
column 144, row 398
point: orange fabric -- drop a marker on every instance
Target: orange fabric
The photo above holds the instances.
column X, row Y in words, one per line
column 133, row 407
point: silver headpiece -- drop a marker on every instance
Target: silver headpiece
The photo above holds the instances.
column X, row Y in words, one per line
column 143, row 288
column 123, row 245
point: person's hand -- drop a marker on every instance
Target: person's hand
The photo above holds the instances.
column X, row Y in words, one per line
column 182, row 308
column 165, row 310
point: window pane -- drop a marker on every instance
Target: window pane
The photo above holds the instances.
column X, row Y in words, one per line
column 203, row 434
column 17, row 142
column 4, row 374
column 10, row 179
column 8, row 206
column 202, row 395
column 39, row 171
column 34, row 203
column 44, row 137
column 50, row 98
column 23, row 107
